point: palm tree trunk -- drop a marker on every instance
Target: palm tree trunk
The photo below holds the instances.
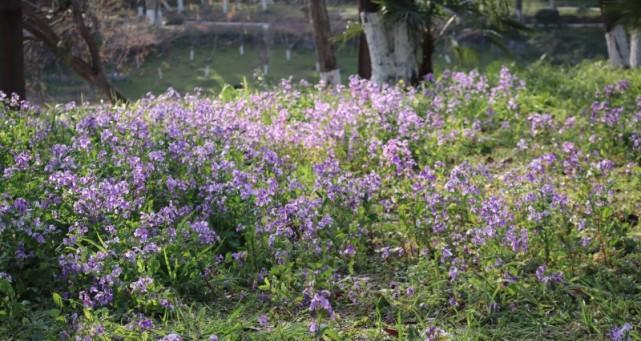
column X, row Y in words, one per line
column 11, row 53
column 329, row 72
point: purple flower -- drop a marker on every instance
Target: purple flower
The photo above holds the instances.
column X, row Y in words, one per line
column 5, row 276
column 206, row 235
column 349, row 250
column 397, row 154
column 320, row 302
column 145, row 324
column 540, row 274
column 517, row 240
column 453, row 273
column 239, row 256
column 433, row 333
column 22, row 160
column 172, row 337
column 621, row 333
column 313, row 327
column 263, row 320
column 552, row 278
column 21, row 205
column 409, row 291
column 141, row 285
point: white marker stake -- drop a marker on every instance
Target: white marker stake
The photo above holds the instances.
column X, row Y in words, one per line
column 191, row 54
column 288, row 54
column 317, row 67
column 266, row 69
column 241, row 50
column 141, row 11
column 159, row 73
column 207, row 71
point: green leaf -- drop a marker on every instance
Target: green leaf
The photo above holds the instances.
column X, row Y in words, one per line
column 88, row 314
column 6, row 288
column 57, row 299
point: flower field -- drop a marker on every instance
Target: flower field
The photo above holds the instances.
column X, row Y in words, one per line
column 478, row 206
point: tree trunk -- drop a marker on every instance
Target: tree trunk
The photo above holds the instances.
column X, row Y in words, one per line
column 552, row 4
column 518, row 10
column 617, row 43
column 427, row 64
column 329, row 72
column 91, row 71
column 404, row 53
column 615, row 38
column 11, row 52
column 364, row 62
column 391, row 48
column 180, row 6
column 635, row 48
column 153, row 12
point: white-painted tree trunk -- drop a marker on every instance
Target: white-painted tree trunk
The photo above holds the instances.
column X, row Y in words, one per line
column 141, row 11
column 154, row 16
column 404, row 52
column 225, row 6
column 288, row 54
column 180, row 6
column 635, row 48
column 263, row 4
column 618, row 48
column 552, row 4
column 153, row 12
column 392, row 50
column 241, row 50
column 331, row 77
column 382, row 63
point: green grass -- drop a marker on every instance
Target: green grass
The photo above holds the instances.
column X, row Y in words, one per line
column 226, row 66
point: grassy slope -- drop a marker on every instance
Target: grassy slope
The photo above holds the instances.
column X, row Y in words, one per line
column 561, row 91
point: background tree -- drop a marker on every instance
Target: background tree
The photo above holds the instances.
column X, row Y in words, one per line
column 518, row 9
column 83, row 35
column 325, row 52
column 12, row 78
column 395, row 28
column 616, row 16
